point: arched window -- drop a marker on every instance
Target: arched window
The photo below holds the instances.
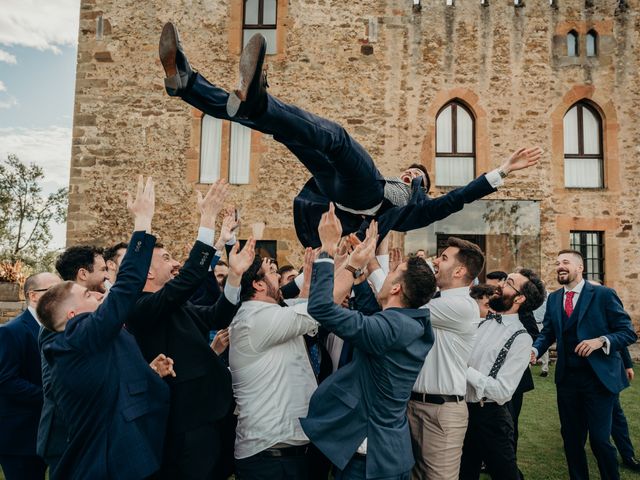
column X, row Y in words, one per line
column 210, row 149
column 455, row 145
column 592, row 43
column 583, row 159
column 261, row 16
column 572, row 44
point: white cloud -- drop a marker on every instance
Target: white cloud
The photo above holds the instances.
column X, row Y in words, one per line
column 51, row 149
column 9, row 102
column 7, row 57
column 3, row 87
column 41, row 24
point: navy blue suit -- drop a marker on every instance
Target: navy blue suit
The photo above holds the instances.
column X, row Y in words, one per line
column 367, row 398
column 114, row 406
column 587, row 387
column 20, row 398
column 342, row 170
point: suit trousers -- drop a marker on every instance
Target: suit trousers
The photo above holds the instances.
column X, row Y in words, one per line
column 620, row 431
column 343, row 170
column 356, row 469
column 22, row 467
column 437, row 435
column 261, row 467
column 191, row 455
column 490, row 439
column 585, row 407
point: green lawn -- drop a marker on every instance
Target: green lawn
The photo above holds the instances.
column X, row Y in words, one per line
column 540, row 454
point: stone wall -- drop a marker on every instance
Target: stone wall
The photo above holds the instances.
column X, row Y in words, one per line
column 383, row 69
column 9, row 310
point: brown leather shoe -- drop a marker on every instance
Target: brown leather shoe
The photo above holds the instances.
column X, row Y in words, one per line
column 249, row 100
column 175, row 63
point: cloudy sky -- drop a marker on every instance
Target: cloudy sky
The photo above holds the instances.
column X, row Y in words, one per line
column 38, row 43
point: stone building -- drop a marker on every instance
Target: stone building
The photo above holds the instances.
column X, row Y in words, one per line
column 453, row 84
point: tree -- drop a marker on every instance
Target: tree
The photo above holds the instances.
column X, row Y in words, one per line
column 25, row 212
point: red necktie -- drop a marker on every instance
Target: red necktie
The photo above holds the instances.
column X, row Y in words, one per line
column 568, row 303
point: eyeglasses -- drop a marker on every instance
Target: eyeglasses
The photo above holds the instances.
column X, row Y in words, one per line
column 39, row 290
column 510, row 283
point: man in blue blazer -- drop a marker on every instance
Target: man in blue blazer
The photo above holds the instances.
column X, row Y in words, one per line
column 590, row 326
column 343, row 171
column 21, row 386
column 114, row 406
column 357, row 416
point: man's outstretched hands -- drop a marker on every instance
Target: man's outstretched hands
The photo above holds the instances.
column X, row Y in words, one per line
column 211, row 204
column 143, row 206
column 307, row 268
column 227, row 230
column 522, row 158
column 330, row 231
column 240, row 261
column 366, row 250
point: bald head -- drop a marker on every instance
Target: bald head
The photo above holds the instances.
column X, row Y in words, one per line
column 36, row 285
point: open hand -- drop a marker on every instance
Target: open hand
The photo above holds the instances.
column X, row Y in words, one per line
column 227, row 229
column 365, row 250
column 211, row 204
column 143, row 206
column 522, row 158
column 330, row 230
column 240, row 261
column 307, row 268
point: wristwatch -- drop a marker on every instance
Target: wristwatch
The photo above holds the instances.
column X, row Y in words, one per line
column 356, row 272
column 502, row 173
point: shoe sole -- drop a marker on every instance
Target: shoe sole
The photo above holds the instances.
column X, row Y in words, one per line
column 251, row 62
column 167, row 49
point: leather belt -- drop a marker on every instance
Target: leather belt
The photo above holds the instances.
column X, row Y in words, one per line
column 437, row 399
column 285, row 451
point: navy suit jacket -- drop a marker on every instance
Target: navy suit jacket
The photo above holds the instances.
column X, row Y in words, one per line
column 20, row 385
column 311, row 203
column 367, row 398
column 599, row 312
column 114, row 406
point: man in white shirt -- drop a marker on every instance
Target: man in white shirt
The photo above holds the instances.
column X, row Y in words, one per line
column 272, row 378
column 498, row 359
column 437, row 411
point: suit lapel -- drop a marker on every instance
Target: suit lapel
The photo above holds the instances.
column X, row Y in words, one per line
column 583, row 301
column 560, row 309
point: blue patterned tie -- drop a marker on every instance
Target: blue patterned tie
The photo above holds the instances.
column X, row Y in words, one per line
column 314, row 356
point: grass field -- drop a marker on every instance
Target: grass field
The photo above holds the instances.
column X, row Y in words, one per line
column 540, row 454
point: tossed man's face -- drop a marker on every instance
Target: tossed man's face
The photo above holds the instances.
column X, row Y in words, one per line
column 410, row 173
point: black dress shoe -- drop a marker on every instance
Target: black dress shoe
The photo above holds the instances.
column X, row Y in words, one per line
column 631, row 463
column 174, row 61
column 249, row 100
column 544, row 374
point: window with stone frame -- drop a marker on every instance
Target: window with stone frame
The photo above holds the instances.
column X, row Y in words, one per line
column 239, row 154
column 233, row 150
column 572, row 44
column 261, row 16
column 592, row 43
column 591, row 245
column 583, row 158
column 455, row 145
column 210, row 149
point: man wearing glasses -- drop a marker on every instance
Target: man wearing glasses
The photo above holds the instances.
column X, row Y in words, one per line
column 498, row 359
column 21, row 386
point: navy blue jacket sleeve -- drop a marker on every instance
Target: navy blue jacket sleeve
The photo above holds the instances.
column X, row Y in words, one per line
column 547, row 335
column 374, row 334
column 290, row 290
column 11, row 384
column 621, row 329
column 92, row 332
column 626, row 358
column 364, row 299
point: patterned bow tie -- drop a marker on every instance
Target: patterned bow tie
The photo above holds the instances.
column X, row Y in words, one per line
column 494, row 316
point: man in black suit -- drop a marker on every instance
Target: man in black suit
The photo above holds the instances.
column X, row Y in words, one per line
column 164, row 320
column 21, row 386
column 343, row 172
column 113, row 405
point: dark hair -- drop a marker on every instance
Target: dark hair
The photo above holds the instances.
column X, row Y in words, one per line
column 497, row 275
column 222, row 263
column 482, row 290
column 74, row 258
column 533, row 290
column 469, row 255
column 427, row 180
column 285, row 268
column 418, row 283
column 49, row 304
column 572, row 252
column 253, row 274
column 112, row 252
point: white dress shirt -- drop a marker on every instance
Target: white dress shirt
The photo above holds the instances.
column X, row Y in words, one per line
column 453, row 318
column 490, row 339
column 33, row 312
column 272, row 377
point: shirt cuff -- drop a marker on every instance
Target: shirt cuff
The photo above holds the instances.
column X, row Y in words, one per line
column 232, row 293
column 535, row 351
column 206, row 236
column 383, row 260
column 606, row 348
column 299, row 281
column 476, row 380
column 324, row 260
column 377, row 278
column 494, row 178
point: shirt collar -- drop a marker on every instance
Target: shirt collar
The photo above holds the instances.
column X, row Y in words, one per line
column 577, row 289
column 32, row 311
column 451, row 292
column 510, row 318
